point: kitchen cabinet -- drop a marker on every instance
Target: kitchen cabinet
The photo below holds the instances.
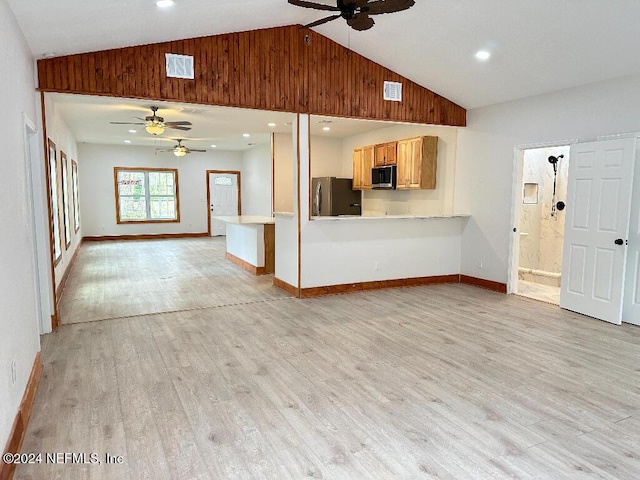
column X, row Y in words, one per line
column 417, row 163
column 363, row 159
column 385, row 154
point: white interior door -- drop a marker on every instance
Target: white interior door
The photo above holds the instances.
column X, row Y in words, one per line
column 631, row 308
column 223, row 199
column 596, row 228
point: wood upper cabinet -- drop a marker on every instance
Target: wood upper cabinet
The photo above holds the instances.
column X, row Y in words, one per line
column 417, row 163
column 357, row 169
column 362, row 164
column 385, row 153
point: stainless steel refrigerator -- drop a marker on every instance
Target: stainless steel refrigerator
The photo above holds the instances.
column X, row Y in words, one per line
column 331, row 196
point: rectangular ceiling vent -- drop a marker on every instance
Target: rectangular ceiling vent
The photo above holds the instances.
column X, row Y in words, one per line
column 393, row 91
column 179, row 66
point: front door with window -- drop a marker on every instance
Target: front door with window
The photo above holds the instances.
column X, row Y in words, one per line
column 223, row 199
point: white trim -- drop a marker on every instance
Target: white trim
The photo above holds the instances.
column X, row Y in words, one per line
column 554, row 143
column 38, row 229
column 615, row 136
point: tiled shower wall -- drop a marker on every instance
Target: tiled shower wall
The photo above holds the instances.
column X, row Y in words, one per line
column 541, row 235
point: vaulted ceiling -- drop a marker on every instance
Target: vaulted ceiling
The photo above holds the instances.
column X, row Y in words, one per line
column 537, row 46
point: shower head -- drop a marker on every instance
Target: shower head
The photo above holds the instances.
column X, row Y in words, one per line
column 554, row 160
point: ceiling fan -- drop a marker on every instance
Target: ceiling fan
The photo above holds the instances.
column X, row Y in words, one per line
column 179, row 150
column 356, row 12
column 155, row 125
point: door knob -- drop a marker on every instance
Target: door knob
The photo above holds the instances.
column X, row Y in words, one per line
column 618, row 241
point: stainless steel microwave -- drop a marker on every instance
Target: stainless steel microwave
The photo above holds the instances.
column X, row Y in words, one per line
column 384, row 178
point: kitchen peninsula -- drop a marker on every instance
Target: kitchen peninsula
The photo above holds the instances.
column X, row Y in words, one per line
column 250, row 242
column 410, row 235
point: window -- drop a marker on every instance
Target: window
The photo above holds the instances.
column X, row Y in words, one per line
column 52, row 171
column 226, row 181
column 65, row 201
column 74, row 191
column 146, row 195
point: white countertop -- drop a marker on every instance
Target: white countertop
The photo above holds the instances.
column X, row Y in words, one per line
column 391, row 217
column 246, row 219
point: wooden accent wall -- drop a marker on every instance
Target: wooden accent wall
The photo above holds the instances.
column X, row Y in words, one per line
column 344, row 83
column 290, row 69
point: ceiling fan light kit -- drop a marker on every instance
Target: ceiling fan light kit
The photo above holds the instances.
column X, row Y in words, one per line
column 357, row 13
column 154, row 129
column 178, row 149
column 155, row 124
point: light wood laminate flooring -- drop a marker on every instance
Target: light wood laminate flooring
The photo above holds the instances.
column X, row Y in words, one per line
column 128, row 278
column 436, row 382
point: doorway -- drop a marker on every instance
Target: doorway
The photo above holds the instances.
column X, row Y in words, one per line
column 38, row 231
column 540, row 215
column 223, row 198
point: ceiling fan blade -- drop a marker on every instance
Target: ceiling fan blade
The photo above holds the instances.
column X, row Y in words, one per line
column 177, row 127
column 184, row 122
column 141, row 119
column 164, row 150
column 321, row 21
column 126, row 123
column 317, row 6
column 196, row 150
column 361, row 22
column 387, row 6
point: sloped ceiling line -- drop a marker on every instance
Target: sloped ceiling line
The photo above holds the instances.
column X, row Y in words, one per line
column 289, row 69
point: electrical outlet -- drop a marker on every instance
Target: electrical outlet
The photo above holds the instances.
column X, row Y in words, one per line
column 13, row 372
column 376, row 266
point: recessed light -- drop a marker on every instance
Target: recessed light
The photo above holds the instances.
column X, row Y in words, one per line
column 271, row 124
column 246, row 135
column 326, row 129
column 164, row 3
column 214, row 146
column 483, row 55
column 127, row 141
column 133, row 131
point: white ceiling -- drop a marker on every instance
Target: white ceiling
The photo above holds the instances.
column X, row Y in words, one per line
column 538, row 46
column 89, row 119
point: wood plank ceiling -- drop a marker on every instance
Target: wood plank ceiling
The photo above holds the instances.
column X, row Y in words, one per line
column 290, row 69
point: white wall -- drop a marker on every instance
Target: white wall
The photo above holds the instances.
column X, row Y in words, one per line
column 284, row 179
column 18, row 300
column 256, row 181
column 287, row 225
column 246, row 242
column 397, row 202
column 97, row 191
column 286, row 248
column 60, row 134
column 486, row 157
column 336, row 252
column 327, row 158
